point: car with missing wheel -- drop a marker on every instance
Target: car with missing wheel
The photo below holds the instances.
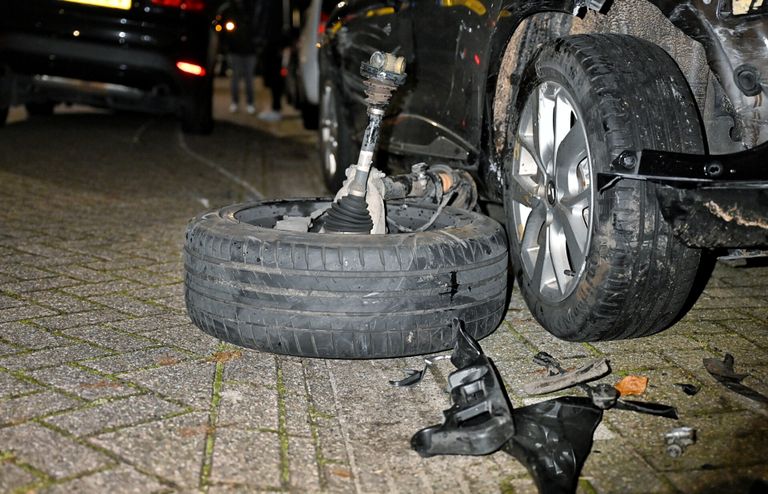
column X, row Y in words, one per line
column 147, row 55
column 626, row 143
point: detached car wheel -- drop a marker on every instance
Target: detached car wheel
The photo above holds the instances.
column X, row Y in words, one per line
column 343, row 296
column 336, row 151
column 597, row 265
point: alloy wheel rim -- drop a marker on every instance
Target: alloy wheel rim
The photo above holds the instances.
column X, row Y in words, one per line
column 329, row 130
column 552, row 198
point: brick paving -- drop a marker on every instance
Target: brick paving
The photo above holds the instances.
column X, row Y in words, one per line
column 105, row 385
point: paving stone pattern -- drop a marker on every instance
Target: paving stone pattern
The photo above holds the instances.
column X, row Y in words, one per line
column 106, row 386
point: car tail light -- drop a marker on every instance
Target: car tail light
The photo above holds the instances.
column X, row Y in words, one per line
column 193, row 5
column 190, row 68
column 323, row 20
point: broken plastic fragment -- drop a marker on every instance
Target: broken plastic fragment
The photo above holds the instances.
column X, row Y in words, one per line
column 632, row 385
column 480, row 420
column 604, row 396
column 647, row 408
column 553, row 440
column 688, row 389
column 723, row 372
column 414, row 376
column 560, row 379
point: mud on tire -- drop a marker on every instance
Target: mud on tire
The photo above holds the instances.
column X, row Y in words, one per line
column 597, row 265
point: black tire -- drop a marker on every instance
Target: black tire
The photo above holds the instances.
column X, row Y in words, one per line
column 40, row 108
column 197, row 109
column 337, row 150
column 343, row 296
column 633, row 277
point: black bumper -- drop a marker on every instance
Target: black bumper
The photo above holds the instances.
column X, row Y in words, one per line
column 710, row 201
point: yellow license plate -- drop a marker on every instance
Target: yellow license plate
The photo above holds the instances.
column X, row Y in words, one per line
column 112, row 4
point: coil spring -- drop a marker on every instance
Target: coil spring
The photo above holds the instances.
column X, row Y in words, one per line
column 378, row 91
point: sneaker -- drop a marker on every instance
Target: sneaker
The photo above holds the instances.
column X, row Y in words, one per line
column 270, row 116
column 251, row 109
column 233, row 108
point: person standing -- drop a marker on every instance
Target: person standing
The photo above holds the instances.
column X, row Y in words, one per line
column 239, row 39
column 272, row 34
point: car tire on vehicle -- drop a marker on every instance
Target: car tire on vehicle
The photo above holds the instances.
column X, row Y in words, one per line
column 597, row 265
column 336, row 146
column 40, row 108
column 197, row 109
column 343, row 296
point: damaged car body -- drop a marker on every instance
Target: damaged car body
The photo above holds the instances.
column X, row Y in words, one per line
column 620, row 170
column 626, row 143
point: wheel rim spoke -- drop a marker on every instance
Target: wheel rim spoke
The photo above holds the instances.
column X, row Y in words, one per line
column 550, row 190
column 543, row 128
column 558, row 258
column 543, row 272
column 523, row 190
column 570, row 152
column 531, row 250
column 575, row 235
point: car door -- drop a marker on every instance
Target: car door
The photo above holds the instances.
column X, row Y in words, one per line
column 442, row 118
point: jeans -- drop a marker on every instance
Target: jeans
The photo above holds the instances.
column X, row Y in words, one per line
column 242, row 68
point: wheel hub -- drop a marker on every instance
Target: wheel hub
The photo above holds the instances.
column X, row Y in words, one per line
column 551, row 193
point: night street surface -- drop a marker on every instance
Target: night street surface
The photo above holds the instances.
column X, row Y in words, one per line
column 106, row 386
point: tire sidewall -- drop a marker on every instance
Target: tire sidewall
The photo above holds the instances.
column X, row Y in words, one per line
column 564, row 318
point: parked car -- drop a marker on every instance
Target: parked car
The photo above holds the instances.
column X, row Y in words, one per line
column 148, row 55
column 625, row 145
column 623, row 162
column 302, row 68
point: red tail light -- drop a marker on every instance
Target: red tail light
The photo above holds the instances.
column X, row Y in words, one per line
column 323, row 21
column 190, row 68
column 192, row 5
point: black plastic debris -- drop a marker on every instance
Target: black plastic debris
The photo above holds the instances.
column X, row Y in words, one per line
column 553, row 440
column 688, row 389
column 480, row 420
column 724, row 373
column 605, row 396
column 414, row 376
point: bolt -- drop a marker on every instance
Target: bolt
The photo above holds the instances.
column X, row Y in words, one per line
column 419, row 169
column 628, row 160
column 378, row 59
column 747, row 79
column 714, row 169
column 674, row 450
